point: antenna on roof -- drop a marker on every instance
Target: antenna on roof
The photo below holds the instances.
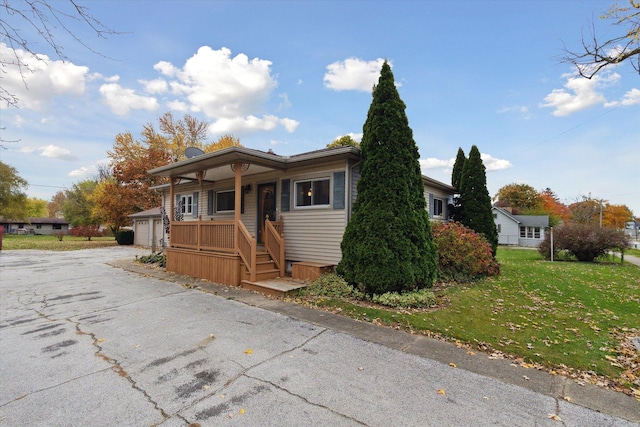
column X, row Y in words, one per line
column 192, row 152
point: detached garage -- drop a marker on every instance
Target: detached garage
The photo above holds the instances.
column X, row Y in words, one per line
column 147, row 228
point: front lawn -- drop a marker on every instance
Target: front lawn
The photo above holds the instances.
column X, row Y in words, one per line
column 51, row 243
column 576, row 319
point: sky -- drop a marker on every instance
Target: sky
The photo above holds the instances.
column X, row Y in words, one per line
column 292, row 76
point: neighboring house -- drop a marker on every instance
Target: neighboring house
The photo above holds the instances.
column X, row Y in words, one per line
column 147, row 228
column 520, row 230
column 294, row 209
column 45, row 226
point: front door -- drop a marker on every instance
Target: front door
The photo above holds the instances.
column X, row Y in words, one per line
column 266, row 206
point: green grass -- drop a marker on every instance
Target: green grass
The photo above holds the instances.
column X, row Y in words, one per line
column 634, row 252
column 568, row 317
column 51, row 243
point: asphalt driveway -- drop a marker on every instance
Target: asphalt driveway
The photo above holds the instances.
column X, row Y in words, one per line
column 83, row 343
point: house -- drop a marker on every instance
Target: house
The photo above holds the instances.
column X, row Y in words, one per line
column 519, row 230
column 45, row 226
column 147, row 228
column 245, row 215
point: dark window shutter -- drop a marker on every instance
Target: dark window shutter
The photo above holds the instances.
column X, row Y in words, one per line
column 285, row 195
column 430, row 205
column 194, row 208
column 210, row 195
column 175, row 206
column 338, row 190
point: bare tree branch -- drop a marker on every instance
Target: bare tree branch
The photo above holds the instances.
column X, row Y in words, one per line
column 597, row 55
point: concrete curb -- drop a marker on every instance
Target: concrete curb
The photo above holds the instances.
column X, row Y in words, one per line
column 559, row 387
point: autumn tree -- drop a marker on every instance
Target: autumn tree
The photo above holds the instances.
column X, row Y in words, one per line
column 597, row 54
column 587, row 211
column 616, row 216
column 55, row 206
column 78, row 206
column 387, row 245
column 522, row 198
column 12, row 196
column 36, row 208
column 344, row 141
column 225, row 141
column 551, row 205
column 475, row 203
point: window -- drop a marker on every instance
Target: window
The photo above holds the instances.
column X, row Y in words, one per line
column 39, row 226
column 499, row 228
column 312, row 193
column 187, row 204
column 57, row 226
column 226, row 201
column 438, row 207
column 530, row 232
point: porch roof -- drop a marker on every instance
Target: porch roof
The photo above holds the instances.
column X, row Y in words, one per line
column 217, row 163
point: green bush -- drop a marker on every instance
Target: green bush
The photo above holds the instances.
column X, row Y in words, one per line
column 330, row 285
column 159, row 259
column 585, row 242
column 422, row 298
column 124, row 237
column 463, row 254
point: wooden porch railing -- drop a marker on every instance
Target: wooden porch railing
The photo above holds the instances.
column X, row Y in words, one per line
column 201, row 235
column 274, row 243
column 247, row 250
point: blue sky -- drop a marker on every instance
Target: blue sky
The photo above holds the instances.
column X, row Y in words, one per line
column 292, row 76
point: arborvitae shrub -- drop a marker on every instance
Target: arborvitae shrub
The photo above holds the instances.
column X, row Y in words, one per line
column 463, row 254
column 585, row 242
column 124, row 237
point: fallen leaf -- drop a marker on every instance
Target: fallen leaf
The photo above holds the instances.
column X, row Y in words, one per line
column 554, row 417
column 526, row 378
column 567, row 398
column 442, row 392
column 248, row 351
column 102, row 340
column 241, row 411
column 453, row 365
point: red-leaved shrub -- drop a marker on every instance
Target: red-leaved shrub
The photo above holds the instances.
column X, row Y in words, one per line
column 585, row 242
column 463, row 254
column 87, row 231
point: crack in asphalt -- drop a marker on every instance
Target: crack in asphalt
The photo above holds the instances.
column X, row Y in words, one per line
column 243, row 373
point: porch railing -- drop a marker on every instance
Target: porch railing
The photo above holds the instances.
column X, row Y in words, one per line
column 201, row 235
column 247, row 250
column 274, row 243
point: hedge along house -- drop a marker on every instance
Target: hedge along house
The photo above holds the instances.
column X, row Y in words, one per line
column 248, row 215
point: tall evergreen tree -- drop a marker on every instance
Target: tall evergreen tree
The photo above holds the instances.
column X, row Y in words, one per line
column 454, row 209
column 475, row 203
column 387, row 245
column 457, row 169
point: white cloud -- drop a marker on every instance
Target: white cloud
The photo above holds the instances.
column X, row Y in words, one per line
column 41, row 80
column 121, row 100
column 55, row 152
column 579, row 93
column 177, row 106
column 353, row 74
column 90, row 171
column 250, row 124
column 432, row 163
column 27, row 150
column 491, row 163
column 222, row 86
column 155, row 86
column 630, row 98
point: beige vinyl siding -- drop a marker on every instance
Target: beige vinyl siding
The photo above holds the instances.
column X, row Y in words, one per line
column 314, row 235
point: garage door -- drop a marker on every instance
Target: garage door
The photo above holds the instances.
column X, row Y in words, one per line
column 141, row 233
column 157, row 225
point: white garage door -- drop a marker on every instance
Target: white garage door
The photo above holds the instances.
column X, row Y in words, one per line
column 141, row 233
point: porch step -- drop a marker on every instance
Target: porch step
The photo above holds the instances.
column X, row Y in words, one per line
column 277, row 287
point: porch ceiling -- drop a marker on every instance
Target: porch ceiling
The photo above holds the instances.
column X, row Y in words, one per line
column 218, row 164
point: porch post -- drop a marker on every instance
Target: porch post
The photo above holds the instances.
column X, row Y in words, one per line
column 237, row 168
